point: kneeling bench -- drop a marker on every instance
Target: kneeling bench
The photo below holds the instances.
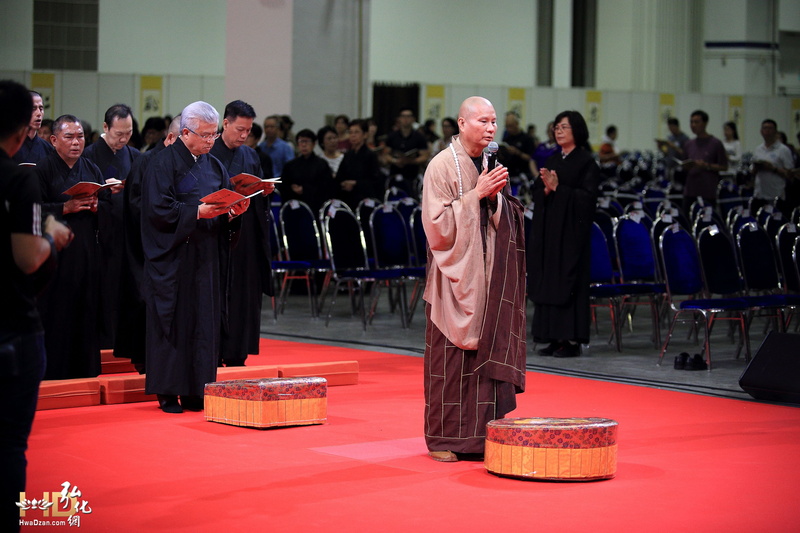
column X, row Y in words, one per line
column 559, row 449
column 57, row 394
column 268, row 402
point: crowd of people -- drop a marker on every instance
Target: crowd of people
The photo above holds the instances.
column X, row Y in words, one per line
column 149, row 268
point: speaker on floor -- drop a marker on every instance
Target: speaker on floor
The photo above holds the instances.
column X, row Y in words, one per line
column 774, row 373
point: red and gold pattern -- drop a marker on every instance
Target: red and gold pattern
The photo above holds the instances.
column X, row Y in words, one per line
column 267, row 402
column 567, row 449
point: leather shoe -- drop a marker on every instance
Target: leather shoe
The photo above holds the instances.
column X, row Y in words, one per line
column 169, row 403
column 681, row 360
column 445, row 456
column 192, row 403
column 696, row 363
column 550, row 349
column 568, row 350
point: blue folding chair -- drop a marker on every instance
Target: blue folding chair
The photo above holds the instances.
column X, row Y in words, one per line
column 606, row 287
column 287, row 271
column 684, row 278
column 347, row 251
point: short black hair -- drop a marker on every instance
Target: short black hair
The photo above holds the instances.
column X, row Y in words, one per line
column 306, row 134
column 16, row 107
column 732, row 126
column 769, row 121
column 700, row 113
column 257, row 131
column 65, row 119
column 672, row 121
column 346, row 119
column 360, row 123
column 321, row 134
column 117, row 111
column 611, row 129
column 238, row 108
column 580, row 131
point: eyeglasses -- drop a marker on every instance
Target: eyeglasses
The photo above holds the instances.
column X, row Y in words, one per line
column 562, row 127
column 207, row 136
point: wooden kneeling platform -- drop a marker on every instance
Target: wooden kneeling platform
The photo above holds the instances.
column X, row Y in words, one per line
column 556, row 449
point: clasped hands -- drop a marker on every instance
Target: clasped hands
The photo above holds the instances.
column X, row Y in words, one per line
column 550, row 180
column 492, row 182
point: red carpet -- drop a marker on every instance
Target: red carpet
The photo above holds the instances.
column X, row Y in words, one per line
column 686, row 463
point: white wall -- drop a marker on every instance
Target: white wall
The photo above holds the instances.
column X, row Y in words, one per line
column 181, row 37
column 464, row 42
column 16, row 37
column 258, row 55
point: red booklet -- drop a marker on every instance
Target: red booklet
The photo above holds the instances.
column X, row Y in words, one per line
column 225, row 198
column 244, row 180
column 89, row 188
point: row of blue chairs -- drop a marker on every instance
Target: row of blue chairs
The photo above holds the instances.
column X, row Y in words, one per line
column 334, row 243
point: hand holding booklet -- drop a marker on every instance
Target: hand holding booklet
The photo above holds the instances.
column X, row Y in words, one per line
column 83, row 189
column 226, row 198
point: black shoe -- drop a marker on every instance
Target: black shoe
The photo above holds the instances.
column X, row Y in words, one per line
column 234, row 362
column 551, row 349
column 681, row 360
column 696, row 363
column 169, row 403
column 568, row 350
column 192, row 403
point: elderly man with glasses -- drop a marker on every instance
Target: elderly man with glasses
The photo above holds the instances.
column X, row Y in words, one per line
column 183, row 241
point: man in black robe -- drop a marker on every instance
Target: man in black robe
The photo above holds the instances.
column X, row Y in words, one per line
column 406, row 151
column 69, row 306
column 114, row 158
column 34, row 148
column 130, row 314
column 183, row 239
column 307, row 177
column 247, row 269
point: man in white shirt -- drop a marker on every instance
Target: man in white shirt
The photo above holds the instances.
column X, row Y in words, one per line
column 772, row 162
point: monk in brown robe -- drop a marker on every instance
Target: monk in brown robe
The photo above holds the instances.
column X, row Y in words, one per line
column 475, row 310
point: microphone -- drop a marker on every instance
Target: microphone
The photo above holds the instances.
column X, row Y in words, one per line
column 491, row 160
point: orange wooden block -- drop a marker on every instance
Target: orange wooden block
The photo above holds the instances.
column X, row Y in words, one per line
column 562, row 449
column 228, row 373
column 114, row 365
column 269, row 402
column 335, row 372
column 60, row 393
column 123, row 389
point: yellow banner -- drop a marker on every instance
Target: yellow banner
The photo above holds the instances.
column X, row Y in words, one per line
column 517, row 104
column 666, row 110
column 594, row 117
column 44, row 83
column 434, row 103
column 151, row 97
column 736, row 111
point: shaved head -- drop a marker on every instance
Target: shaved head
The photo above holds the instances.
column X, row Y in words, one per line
column 477, row 124
column 471, row 105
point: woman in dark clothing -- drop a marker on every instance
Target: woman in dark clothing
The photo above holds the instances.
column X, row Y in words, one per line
column 359, row 175
column 559, row 249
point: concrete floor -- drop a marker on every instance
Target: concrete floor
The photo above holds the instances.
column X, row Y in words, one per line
column 636, row 364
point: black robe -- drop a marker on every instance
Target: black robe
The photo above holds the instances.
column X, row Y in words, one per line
column 363, row 167
column 33, row 150
column 247, row 269
column 70, row 304
column 181, row 284
column 130, row 315
column 559, row 249
column 314, row 175
column 112, row 165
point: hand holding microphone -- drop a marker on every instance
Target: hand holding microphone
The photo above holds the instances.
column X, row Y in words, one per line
column 494, row 177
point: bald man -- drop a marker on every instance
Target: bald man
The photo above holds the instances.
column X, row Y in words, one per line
column 475, row 309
